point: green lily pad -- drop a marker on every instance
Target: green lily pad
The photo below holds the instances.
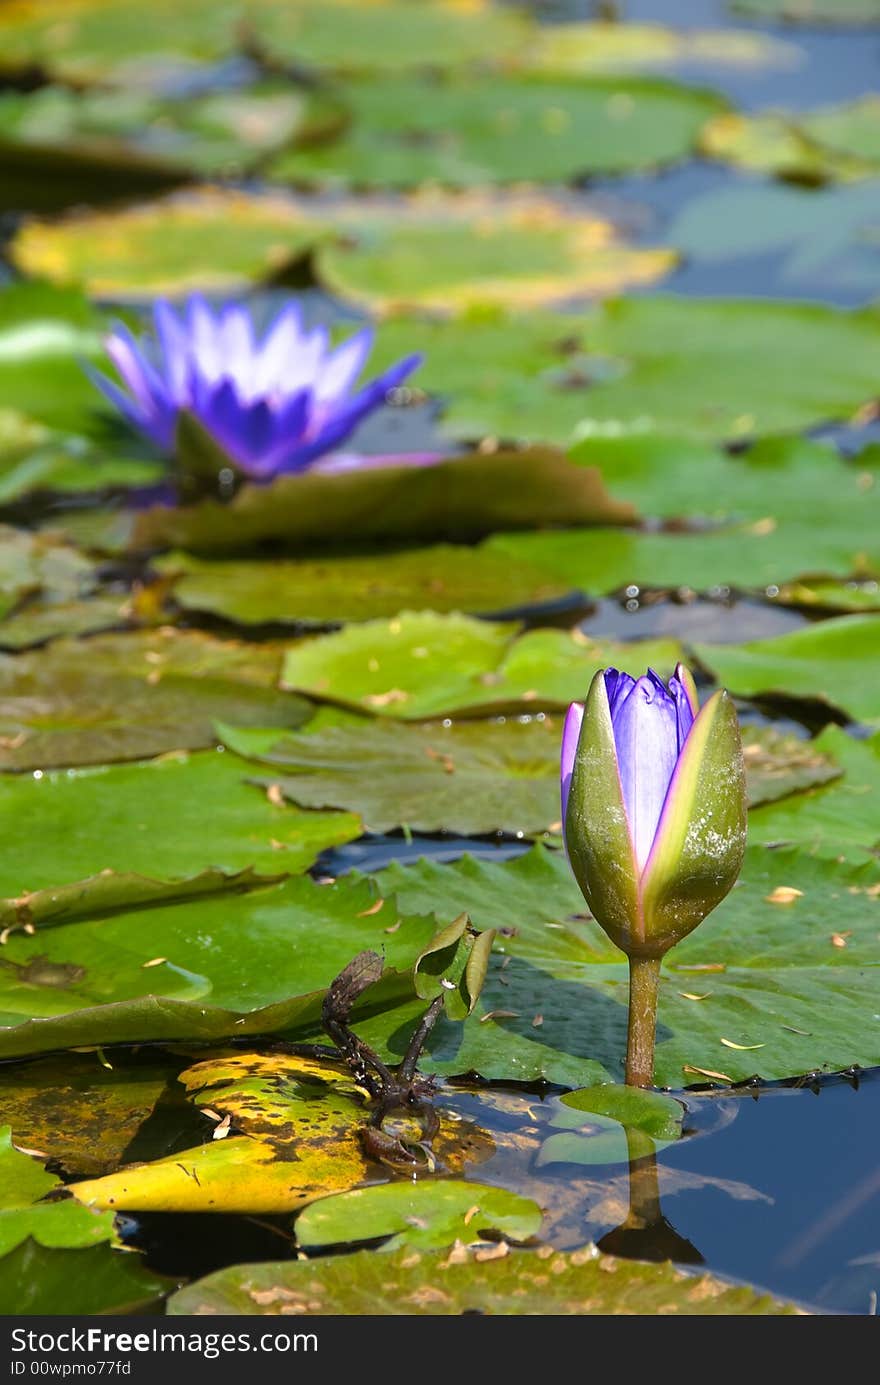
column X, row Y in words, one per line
column 421, row 1282
column 129, row 696
column 23, row 1214
column 527, row 252
column 810, row 11
column 829, row 237
column 839, row 819
column 592, row 1125
column 831, row 663
column 782, row 508
column 430, row 1215
column 222, row 965
column 830, row 596
column 213, row 238
column 697, row 368
column 159, row 841
column 347, row 588
column 461, row 498
column 470, row 778
column 79, row 1112
column 45, row 335
column 775, row 142
column 420, row 665
column 591, row 48
column 124, row 139
column 513, row 129
column 34, row 1281
column 760, row 987
column 62, row 463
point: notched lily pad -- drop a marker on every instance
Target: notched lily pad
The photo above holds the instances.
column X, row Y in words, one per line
column 353, row 587
column 461, row 498
column 24, row 1214
column 450, row 253
column 127, row 696
column 470, row 777
column 429, row 1214
column 421, row 665
column 419, row 1282
column 592, row 1125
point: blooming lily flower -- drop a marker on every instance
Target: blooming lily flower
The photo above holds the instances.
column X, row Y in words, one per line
column 274, row 406
column 654, row 817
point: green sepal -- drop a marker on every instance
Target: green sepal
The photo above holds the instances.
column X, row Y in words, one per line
column 199, row 460
column 701, row 838
column 596, row 829
column 454, row 965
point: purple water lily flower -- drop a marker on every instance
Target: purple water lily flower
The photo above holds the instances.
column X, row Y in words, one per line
column 275, row 404
column 650, row 722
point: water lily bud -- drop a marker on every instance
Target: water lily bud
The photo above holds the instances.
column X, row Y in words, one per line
column 653, row 805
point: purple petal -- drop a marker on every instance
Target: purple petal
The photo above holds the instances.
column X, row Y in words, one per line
column 618, row 686
column 646, row 738
column 684, row 711
column 359, row 461
column 174, row 346
column 343, row 366
column 158, row 425
column 571, row 733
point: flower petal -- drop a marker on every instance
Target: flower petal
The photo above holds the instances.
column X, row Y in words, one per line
column 646, row 737
column 570, row 736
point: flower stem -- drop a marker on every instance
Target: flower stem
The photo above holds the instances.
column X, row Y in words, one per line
column 644, row 980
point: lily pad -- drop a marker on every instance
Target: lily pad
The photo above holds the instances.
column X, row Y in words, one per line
column 99, row 1279
column 420, row 1282
column 470, row 778
column 421, row 665
column 840, row 820
column 592, row 1125
column 23, row 1214
column 461, row 498
column 346, row 588
column 217, row 966
column 828, row 238
column 775, row 142
column 217, row 238
column 830, row 663
column 125, row 697
column 591, row 48
column 300, row 1121
column 761, row 987
column 45, row 336
column 171, row 828
column 695, row 368
column 810, row 11
column 514, row 129
column 79, row 1112
column 449, row 253
column 429, row 1215
column 783, row 507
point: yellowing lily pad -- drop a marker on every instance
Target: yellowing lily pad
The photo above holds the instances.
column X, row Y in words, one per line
column 607, row 47
column 300, row 1121
column 449, row 253
column 217, row 238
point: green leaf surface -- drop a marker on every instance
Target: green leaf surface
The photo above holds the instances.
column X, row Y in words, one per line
column 601, row 47
column 591, row 1126
column 252, row 963
column 23, row 1214
column 841, row 819
column 514, row 129
column 45, row 335
column 127, row 696
column 529, row 251
column 469, row 777
column 177, row 826
column 421, row 665
column 761, row 973
column 429, row 1214
column 831, row 663
column 810, row 11
column 34, row 1281
column 418, row 1282
column 347, row 588
column 212, row 238
column 698, row 368
column 462, row 498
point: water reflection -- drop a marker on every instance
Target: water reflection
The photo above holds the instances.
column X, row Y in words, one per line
column 645, row 1233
